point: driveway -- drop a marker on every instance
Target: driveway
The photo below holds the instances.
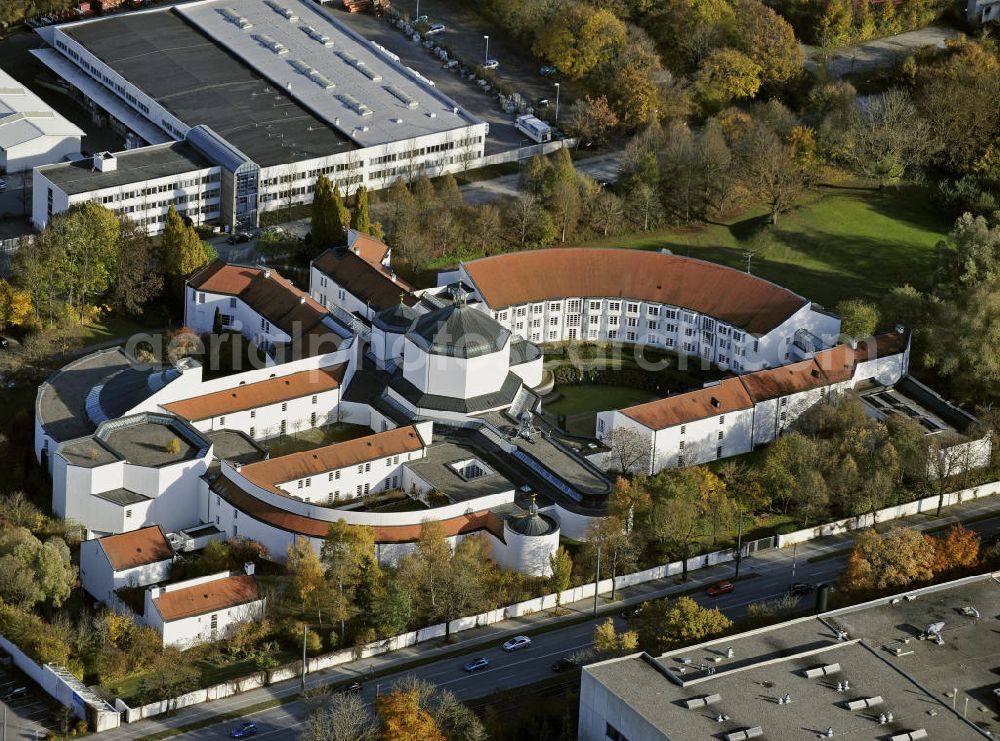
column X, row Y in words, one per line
column 878, row 52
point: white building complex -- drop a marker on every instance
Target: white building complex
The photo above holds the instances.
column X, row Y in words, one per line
column 243, row 104
column 423, row 404
column 31, row 132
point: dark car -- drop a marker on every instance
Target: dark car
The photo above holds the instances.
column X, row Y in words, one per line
column 630, row 611
column 563, row 665
column 719, row 588
column 14, row 694
column 351, row 688
column 246, row 729
column 239, row 238
column 476, row 665
column 799, row 588
column 3, row 343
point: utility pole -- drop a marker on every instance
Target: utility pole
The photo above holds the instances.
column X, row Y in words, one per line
column 748, row 254
column 487, row 48
column 597, row 578
column 305, row 633
column 557, row 103
column 739, row 546
column 795, row 547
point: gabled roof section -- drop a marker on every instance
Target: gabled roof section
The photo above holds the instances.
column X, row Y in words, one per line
column 136, row 548
column 785, row 380
column 24, row 116
column 837, row 363
column 732, row 296
column 728, row 395
column 262, row 393
column 370, row 249
column 274, row 471
column 370, row 282
column 269, row 294
column 218, row 594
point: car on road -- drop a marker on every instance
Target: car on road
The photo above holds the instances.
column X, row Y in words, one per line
column 630, row 611
column 14, row 693
column 720, row 588
column 491, row 64
column 351, row 688
column 800, row 587
column 563, row 665
column 239, row 238
column 3, row 185
column 476, row 664
column 435, row 29
column 548, row 70
column 246, row 729
column 517, row 642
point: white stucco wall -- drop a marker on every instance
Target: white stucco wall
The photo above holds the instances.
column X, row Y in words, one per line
column 461, row 378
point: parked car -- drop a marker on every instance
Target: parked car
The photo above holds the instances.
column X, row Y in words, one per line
column 351, row 688
column 3, row 185
column 435, row 29
column 563, row 665
column 246, row 729
column 420, row 19
column 517, row 642
column 475, row 665
column 14, row 693
column 491, row 64
column 800, row 587
column 239, row 238
column 631, row 610
column 720, row 587
column 548, row 70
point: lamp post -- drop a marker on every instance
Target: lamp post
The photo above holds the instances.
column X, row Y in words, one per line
column 557, row 103
column 417, row 15
column 487, row 58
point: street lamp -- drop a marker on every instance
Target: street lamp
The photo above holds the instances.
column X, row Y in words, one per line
column 487, row 59
column 415, row 17
column 557, row 103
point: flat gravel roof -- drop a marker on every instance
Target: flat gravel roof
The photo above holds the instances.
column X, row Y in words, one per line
column 197, row 80
column 136, row 165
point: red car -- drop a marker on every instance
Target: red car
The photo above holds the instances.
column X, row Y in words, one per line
column 720, row 587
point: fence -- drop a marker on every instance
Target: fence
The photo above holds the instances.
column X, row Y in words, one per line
column 67, row 689
column 521, row 609
column 522, row 153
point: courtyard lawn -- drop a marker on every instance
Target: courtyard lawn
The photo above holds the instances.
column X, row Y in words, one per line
column 841, row 241
column 314, row 437
column 593, row 397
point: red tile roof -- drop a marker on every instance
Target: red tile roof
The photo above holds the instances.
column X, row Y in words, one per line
column 218, row 594
column 722, row 398
column 837, row 363
column 269, row 294
column 302, row 525
column 732, row 296
column 136, row 548
column 367, row 281
column 370, row 249
column 253, row 395
column 311, row 462
column 785, row 380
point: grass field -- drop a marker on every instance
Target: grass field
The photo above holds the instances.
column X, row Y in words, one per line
column 842, row 241
column 587, row 397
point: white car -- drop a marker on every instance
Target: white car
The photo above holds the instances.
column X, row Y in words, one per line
column 3, row 185
column 491, row 64
column 517, row 642
column 435, row 29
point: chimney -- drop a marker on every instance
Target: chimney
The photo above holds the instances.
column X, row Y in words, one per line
column 853, row 344
column 302, row 299
column 248, row 567
column 105, row 162
column 267, row 274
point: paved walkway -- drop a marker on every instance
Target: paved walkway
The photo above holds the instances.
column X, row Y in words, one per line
column 878, row 52
column 772, row 571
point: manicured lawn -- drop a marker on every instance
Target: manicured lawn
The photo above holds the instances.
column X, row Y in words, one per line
column 841, row 242
column 587, row 397
column 314, row 438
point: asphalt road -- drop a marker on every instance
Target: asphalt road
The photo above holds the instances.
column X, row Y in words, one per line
column 769, row 574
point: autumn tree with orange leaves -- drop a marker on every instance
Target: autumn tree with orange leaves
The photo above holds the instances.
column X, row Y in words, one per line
column 404, row 720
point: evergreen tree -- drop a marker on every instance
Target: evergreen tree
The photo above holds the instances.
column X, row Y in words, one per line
column 183, row 252
column 327, row 226
column 360, row 219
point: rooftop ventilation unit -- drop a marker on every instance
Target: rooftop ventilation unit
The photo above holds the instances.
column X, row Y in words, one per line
column 401, row 96
column 359, row 66
column 312, row 73
column 281, row 10
column 235, row 18
column 354, row 104
column 268, row 43
column 700, row 702
column 909, row 735
column 820, row 671
column 317, row 36
column 864, row 702
column 744, row 734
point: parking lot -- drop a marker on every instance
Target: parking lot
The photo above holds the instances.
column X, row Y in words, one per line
column 30, row 715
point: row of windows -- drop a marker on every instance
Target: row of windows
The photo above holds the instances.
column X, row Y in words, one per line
column 392, row 460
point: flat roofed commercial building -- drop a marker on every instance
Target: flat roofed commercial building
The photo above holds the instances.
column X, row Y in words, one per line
column 31, row 132
column 285, row 92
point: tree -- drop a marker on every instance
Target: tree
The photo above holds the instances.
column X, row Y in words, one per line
column 608, row 642
column 15, row 306
column 344, row 717
column 768, row 39
column 897, row 559
column 768, row 168
column 858, row 318
column 675, row 519
column 486, row 227
column 327, row 213
column 137, row 279
column 347, row 554
column 577, row 39
column 181, row 250
column 629, row 451
column 591, row 119
column 391, row 609
column 888, row 138
column 455, row 720
column 835, row 24
column 306, row 573
column 618, row 548
column 32, row 571
column 607, row 212
column 663, row 624
column 970, row 255
column 565, row 207
column 360, row 220
column 89, row 236
column 402, row 719
column 727, row 75
column 562, row 572
column 718, row 509
column 635, row 96
column 958, row 549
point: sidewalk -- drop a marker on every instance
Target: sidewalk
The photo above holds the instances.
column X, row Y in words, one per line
column 771, row 569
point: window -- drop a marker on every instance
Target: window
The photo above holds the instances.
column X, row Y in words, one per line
column 573, row 305
column 314, row 399
column 652, row 311
column 718, row 452
column 201, row 298
column 308, row 483
column 783, row 416
column 630, row 336
column 329, row 476
column 537, row 308
column 722, row 435
column 253, row 414
column 612, row 321
column 632, row 308
column 632, row 321
column 652, row 339
column 536, row 323
column 301, row 483
column 265, row 325
column 520, row 311
column 252, row 431
column 784, row 401
column 284, row 406
column 222, row 421
column 614, row 305
column 554, row 321
column 651, row 324
column 368, row 467
column 683, row 429
column 284, row 426
column 361, row 468
column 359, row 489
column 555, row 306
column 595, row 305
column 232, row 303
column 613, row 734
column 722, row 419
column 366, row 488
column 680, row 445
column 128, row 514
column 388, row 461
column 612, row 334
